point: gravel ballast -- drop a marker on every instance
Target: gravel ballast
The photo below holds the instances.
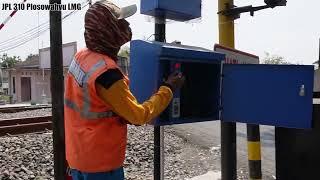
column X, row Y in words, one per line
column 30, row 113
column 30, row 156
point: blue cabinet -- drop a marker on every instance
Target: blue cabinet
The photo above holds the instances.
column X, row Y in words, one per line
column 278, row 95
column 179, row 10
column 198, row 99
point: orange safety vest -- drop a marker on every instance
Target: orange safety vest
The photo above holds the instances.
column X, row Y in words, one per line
column 95, row 137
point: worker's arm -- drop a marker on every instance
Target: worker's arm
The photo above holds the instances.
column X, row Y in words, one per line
column 114, row 91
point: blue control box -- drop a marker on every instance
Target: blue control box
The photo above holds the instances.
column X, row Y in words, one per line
column 179, row 10
column 198, row 100
column 248, row 93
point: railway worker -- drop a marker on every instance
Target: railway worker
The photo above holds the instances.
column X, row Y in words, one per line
column 98, row 102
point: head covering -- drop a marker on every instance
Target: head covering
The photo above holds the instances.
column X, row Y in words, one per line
column 105, row 29
column 119, row 13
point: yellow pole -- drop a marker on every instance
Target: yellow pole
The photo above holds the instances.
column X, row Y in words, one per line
column 228, row 130
column 226, row 25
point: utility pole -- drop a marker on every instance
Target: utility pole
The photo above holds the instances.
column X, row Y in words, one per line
column 160, row 35
column 57, row 93
column 228, row 129
column 227, row 14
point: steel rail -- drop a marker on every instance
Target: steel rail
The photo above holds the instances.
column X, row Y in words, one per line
column 25, row 125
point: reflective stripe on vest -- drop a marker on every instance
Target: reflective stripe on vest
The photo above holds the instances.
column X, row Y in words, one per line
column 77, row 72
column 82, row 79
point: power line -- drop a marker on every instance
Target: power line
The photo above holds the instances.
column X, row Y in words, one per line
column 23, row 41
column 33, row 33
column 22, row 34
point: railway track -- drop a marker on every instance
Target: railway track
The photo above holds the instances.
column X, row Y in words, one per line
column 25, row 125
column 34, row 124
column 21, row 108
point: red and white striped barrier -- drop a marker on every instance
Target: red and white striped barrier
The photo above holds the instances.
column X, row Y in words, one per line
column 10, row 16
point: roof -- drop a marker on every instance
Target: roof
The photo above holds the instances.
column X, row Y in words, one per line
column 30, row 63
column 33, row 62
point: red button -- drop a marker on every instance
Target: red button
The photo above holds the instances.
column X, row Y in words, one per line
column 177, row 65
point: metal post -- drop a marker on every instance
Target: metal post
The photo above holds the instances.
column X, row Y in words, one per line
column 254, row 151
column 160, row 33
column 57, row 93
column 319, row 55
column 228, row 130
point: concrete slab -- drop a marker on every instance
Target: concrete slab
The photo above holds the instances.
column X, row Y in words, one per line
column 22, row 105
column 207, row 135
column 208, row 176
column 15, row 105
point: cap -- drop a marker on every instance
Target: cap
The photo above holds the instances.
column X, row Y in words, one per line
column 119, row 13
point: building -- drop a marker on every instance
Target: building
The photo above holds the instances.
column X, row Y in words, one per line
column 123, row 63
column 4, row 82
column 317, row 81
column 29, row 81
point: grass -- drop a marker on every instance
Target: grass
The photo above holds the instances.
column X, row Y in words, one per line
column 5, row 97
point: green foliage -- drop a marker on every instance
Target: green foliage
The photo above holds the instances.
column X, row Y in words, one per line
column 124, row 52
column 5, row 98
column 9, row 62
column 274, row 59
column 30, row 56
column 33, row 103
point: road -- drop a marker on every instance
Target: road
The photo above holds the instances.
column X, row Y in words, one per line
column 207, row 134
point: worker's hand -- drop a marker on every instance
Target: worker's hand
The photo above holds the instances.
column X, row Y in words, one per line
column 175, row 80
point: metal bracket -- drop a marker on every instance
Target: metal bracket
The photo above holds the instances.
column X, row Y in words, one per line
column 234, row 11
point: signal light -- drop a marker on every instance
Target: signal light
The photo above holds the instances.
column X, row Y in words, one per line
column 274, row 3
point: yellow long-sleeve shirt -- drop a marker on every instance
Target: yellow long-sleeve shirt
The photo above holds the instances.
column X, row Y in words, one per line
column 122, row 102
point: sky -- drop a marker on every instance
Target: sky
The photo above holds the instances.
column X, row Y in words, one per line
column 292, row 32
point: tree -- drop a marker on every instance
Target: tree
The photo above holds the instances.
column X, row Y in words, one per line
column 274, row 59
column 32, row 56
column 7, row 61
column 124, row 52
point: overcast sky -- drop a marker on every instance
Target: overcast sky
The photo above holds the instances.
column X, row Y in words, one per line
column 292, row 31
